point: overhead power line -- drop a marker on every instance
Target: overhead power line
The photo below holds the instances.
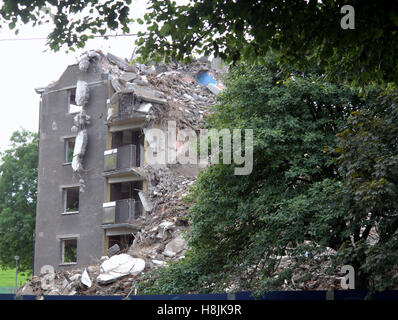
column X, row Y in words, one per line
column 98, row 36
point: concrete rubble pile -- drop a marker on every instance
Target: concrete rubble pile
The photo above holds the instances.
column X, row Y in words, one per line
column 114, row 276
column 170, row 91
column 322, row 276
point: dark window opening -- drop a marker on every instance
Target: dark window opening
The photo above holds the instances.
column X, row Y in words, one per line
column 72, row 106
column 69, row 147
column 124, row 241
column 125, row 137
column 125, row 190
column 71, row 199
column 129, row 137
column 69, row 251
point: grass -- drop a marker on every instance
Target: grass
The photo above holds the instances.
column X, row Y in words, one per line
column 7, row 278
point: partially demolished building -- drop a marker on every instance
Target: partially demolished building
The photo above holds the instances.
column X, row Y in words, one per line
column 95, row 187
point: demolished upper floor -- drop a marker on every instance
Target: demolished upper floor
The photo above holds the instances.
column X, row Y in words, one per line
column 148, row 93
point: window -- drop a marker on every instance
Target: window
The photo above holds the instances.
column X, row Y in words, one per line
column 68, row 251
column 126, row 137
column 125, row 190
column 124, row 241
column 71, row 200
column 69, row 147
column 72, row 106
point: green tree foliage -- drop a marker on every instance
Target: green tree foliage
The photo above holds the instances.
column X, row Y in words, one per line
column 293, row 203
column 74, row 21
column 303, row 32
column 369, row 159
column 18, row 187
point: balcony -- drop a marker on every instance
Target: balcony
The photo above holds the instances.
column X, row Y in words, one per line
column 132, row 104
column 121, row 211
column 121, row 160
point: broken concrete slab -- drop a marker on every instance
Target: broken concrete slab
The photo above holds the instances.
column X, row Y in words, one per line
column 213, row 88
column 128, row 76
column 174, row 247
column 92, row 54
column 117, row 85
column 146, row 94
column 85, row 279
column 148, row 206
column 113, row 250
column 119, row 62
column 144, row 107
column 140, row 82
column 165, row 230
column 65, row 283
column 79, row 150
column 86, row 58
column 80, row 121
column 159, row 262
column 119, row 266
column 82, row 93
column 80, row 143
column 148, row 70
column 84, row 63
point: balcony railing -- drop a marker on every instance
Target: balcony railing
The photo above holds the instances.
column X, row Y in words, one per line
column 121, row 211
column 121, row 158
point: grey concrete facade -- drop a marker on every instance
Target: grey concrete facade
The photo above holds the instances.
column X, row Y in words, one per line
column 52, row 224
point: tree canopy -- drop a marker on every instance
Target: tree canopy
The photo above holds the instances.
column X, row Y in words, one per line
column 299, row 199
column 18, row 188
column 74, row 21
column 368, row 158
column 302, row 32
